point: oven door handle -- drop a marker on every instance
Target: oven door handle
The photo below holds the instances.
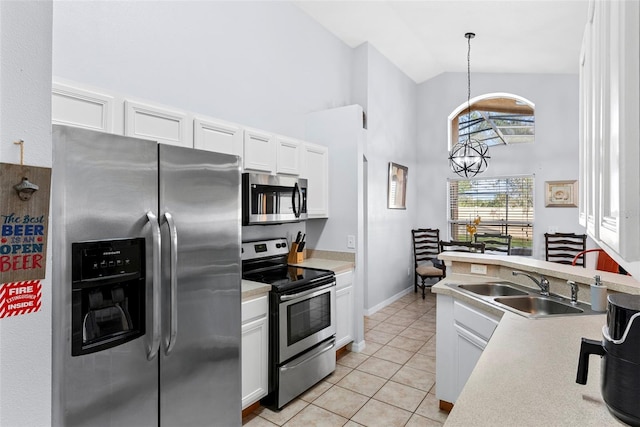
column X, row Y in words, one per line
column 305, row 293
column 310, row 356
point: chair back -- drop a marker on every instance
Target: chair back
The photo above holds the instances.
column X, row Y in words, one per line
column 425, row 244
column 563, row 247
column 495, row 242
column 461, row 246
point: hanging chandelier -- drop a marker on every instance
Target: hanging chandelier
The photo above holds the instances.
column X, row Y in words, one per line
column 470, row 157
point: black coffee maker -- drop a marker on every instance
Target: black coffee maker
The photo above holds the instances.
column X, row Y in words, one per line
column 620, row 354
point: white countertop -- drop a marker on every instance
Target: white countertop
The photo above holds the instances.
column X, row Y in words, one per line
column 252, row 289
column 526, row 377
column 526, row 374
column 613, row 281
column 327, row 264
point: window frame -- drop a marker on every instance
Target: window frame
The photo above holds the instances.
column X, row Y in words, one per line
column 452, row 123
column 530, row 224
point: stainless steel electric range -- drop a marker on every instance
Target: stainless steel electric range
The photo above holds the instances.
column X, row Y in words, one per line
column 302, row 319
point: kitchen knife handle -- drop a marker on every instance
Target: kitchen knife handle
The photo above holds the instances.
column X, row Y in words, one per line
column 173, row 253
column 587, row 347
column 154, row 346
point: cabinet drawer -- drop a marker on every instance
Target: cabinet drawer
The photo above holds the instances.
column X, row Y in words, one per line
column 344, row 279
column 254, row 308
column 479, row 323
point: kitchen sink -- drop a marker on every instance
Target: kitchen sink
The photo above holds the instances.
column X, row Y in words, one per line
column 538, row 305
column 493, row 289
column 522, row 300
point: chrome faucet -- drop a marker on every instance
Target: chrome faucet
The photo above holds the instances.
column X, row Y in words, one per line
column 574, row 291
column 543, row 283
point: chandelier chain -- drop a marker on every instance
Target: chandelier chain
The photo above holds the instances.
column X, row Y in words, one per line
column 469, row 37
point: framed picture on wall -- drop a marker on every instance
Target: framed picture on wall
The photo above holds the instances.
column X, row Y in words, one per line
column 561, row 194
column 397, row 188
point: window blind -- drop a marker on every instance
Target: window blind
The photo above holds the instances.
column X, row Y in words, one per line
column 505, row 206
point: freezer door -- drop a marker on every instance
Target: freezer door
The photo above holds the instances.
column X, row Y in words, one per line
column 200, row 351
column 102, row 188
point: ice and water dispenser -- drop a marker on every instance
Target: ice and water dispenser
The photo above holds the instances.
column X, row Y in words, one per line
column 108, row 294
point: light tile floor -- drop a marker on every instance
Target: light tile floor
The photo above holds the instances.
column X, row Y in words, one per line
column 391, row 383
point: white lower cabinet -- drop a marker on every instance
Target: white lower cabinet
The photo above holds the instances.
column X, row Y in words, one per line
column 344, row 309
column 462, row 334
column 255, row 347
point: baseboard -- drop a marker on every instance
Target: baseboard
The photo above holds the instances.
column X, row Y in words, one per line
column 445, row 406
column 388, row 301
column 249, row 409
column 357, row 347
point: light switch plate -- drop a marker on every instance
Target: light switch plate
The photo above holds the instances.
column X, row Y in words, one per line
column 478, row 269
column 351, row 241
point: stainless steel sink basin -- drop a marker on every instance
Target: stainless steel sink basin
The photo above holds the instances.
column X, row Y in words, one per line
column 522, row 300
column 493, row 289
column 537, row 305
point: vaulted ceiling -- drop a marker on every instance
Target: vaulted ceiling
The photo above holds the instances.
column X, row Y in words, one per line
column 426, row 37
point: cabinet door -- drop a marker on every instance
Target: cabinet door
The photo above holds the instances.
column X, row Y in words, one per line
column 81, row 108
column 344, row 316
column 316, row 170
column 469, row 348
column 288, row 155
column 218, row 136
column 254, row 361
column 156, row 123
column 259, row 151
column 255, row 347
column 462, row 333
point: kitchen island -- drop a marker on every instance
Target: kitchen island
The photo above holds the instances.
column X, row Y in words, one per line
column 526, row 374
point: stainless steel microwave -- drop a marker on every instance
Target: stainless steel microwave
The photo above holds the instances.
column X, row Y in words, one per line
column 269, row 199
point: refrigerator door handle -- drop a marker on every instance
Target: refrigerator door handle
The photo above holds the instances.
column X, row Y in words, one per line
column 152, row 351
column 173, row 251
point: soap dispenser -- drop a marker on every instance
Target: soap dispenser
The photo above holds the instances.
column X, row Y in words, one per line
column 598, row 295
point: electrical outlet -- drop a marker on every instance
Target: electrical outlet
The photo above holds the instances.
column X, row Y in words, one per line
column 552, row 230
column 478, row 269
column 351, row 241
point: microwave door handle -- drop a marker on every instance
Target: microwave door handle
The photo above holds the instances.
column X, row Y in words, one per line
column 153, row 348
column 173, row 253
column 296, row 193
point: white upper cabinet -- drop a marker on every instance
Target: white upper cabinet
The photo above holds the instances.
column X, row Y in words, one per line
column 259, row 151
column 216, row 135
column 610, row 130
column 82, row 108
column 288, row 155
column 316, row 170
column 157, row 123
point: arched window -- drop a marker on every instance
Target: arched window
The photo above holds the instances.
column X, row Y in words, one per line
column 496, row 119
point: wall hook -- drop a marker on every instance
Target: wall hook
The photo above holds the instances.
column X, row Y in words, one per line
column 20, row 142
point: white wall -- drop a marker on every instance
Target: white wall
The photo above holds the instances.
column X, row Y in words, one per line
column 261, row 64
column 25, row 113
column 339, row 129
column 391, row 137
column 553, row 156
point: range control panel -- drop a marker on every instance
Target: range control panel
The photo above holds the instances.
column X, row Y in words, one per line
column 264, row 248
column 108, row 258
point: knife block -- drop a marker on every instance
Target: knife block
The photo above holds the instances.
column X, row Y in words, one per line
column 295, row 257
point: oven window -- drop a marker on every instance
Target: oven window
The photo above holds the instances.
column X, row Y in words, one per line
column 307, row 317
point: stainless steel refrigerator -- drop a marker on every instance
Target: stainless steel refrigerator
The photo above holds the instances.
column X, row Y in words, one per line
column 146, row 283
